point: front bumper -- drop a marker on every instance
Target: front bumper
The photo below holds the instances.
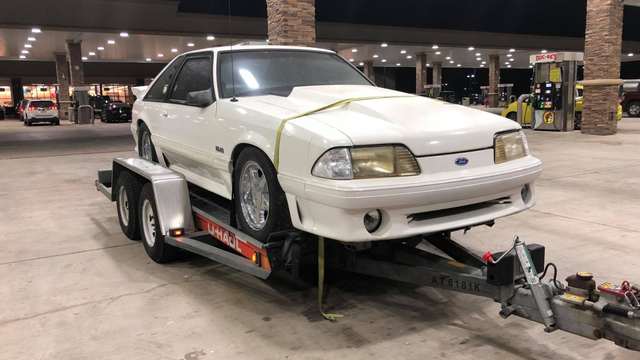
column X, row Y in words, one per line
column 446, row 200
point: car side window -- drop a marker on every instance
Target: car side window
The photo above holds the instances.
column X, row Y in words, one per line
column 195, row 75
column 161, row 86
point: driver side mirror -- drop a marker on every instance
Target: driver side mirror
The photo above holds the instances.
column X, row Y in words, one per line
column 202, row 98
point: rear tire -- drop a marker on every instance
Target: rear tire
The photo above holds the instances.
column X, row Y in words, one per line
column 153, row 239
column 276, row 213
column 633, row 109
column 512, row 116
column 146, row 150
column 577, row 121
column 127, row 192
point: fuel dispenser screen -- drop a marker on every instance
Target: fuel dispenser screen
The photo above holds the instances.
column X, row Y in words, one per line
column 548, row 96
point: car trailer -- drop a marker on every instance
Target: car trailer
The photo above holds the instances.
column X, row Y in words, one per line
column 159, row 205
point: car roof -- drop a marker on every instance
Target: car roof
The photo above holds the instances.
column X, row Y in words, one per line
column 260, row 47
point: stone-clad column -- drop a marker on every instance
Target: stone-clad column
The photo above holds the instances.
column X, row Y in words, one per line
column 436, row 71
column 62, row 73
column 494, row 80
column 421, row 72
column 368, row 70
column 291, row 22
column 75, row 62
column 602, row 48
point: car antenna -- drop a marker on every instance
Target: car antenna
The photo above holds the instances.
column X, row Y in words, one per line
column 233, row 76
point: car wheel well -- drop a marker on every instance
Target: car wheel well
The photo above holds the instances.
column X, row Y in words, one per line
column 236, row 152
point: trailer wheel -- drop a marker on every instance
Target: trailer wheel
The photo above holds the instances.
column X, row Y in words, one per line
column 127, row 195
column 152, row 236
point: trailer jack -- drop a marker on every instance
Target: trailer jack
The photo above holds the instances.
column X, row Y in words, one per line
column 604, row 312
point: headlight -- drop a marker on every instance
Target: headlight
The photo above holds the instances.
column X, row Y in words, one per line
column 366, row 162
column 509, row 146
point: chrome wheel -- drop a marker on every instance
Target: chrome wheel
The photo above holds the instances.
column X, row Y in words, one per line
column 254, row 192
column 634, row 109
column 146, row 146
column 123, row 203
column 148, row 223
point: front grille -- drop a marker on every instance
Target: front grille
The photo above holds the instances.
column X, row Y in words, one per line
column 432, row 215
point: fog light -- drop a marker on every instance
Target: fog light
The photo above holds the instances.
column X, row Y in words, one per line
column 372, row 220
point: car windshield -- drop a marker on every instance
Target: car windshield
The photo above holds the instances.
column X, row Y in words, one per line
column 41, row 104
column 277, row 72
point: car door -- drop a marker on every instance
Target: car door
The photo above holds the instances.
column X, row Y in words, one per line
column 155, row 103
column 188, row 121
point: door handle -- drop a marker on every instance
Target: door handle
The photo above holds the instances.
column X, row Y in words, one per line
column 164, row 113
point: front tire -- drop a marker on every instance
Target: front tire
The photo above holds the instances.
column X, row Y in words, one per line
column 633, row 110
column 146, row 150
column 577, row 121
column 512, row 116
column 260, row 202
column 128, row 190
column 153, row 239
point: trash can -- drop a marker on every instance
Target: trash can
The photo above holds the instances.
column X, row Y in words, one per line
column 465, row 101
column 85, row 115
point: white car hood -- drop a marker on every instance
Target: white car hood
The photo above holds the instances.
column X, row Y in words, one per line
column 425, row 126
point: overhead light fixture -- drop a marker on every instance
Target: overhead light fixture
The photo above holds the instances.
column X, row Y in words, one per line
column 512, row 50
column 85, row 58
column 508, row 66
column 398, row 64
column 100, row 48
column 174, row 50
column 530, row 66
column 478, row 54
column 190, row 44
column 375, row 56
column 435, row 47
column 354, row 50
column 451, row 62
column 36, row 31
column 361, row 64
column 459, row 65
column 124, row 34
column 484, row 62
column 25, row 51
column 267, row 40
column 29, row 45
column 481, row 65
column 351, row 60
column 428, row 64
column 544, row 51
column 211, row 37
column 160, row 55
column 471, row 48
column 512, row 59
column 111, row 42
column 403, row 51
column 22, row 57
column 383, row 60
column 409, row 56
column 148, row 59
column 507, row 63
column 630, row 54
column 478, row 59
column 31, row 39
column 384, row 45
column 91, row 53
column 509, row 55
column 448, row 58
column 438, row 53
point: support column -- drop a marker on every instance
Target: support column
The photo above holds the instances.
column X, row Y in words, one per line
column 494, row 80
column 602, row 47
column 436, row 71
column 75, row 62
column 17, row 91
column 62, row 73
column 291, row 22
column 421, row 73
column 368, row 70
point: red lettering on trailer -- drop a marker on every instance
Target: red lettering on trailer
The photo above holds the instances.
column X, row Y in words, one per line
column 228, row 238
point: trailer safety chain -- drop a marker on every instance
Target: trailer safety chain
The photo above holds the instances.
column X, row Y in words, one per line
column 330, row 317
column 276, row 156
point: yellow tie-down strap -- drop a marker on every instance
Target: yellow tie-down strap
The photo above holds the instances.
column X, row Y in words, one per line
column 276, row 159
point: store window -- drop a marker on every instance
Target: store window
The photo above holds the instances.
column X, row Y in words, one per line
column 120, row 92
column 40, row 91
column 5, row 96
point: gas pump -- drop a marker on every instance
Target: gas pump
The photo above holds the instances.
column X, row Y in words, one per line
column 555, row 78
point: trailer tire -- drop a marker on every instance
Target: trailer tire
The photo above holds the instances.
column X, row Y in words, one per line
column 127, row 192
column 152, row 236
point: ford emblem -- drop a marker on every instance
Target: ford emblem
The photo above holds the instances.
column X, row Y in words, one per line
column 462, row 161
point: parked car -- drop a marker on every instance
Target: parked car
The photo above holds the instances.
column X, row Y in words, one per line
column 631, row 103
column 116, row 111
column 449, row 96
column 98, row 102
column 20, row 106
column 511, row 111
column 38, row 111
column 304, row 140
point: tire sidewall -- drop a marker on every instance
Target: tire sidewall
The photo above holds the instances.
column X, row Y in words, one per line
column 132, row 229
column 276, row 194
column 142, row 129
column 636, row 103
column 160, row 252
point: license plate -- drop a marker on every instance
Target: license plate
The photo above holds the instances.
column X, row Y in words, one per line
column 43, row 110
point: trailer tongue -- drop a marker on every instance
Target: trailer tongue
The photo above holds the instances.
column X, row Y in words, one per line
column 193, row 219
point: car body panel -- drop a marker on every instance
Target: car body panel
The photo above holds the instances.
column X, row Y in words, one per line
column 202, row 142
